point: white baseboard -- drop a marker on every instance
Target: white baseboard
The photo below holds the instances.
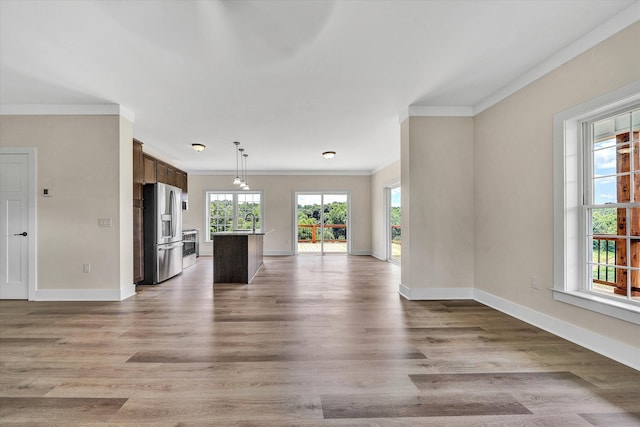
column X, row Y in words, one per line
column 601, row 344
column 404, row 291
column 127, row 292
column 616, row 350
column 361, row 253
column 85, row 294
column 435, row 293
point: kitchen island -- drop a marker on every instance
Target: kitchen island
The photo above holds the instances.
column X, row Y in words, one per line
column 237, row 256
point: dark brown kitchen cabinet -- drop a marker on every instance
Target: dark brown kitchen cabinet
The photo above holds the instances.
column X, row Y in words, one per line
column 138, row 182
column 138, row 170
column 183, row 183
column 149, row 170
column 161, row 171
column 172, row 176
column 138, row 244
column 156, row 170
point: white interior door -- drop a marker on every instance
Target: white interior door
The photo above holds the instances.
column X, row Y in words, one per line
column 14, row 218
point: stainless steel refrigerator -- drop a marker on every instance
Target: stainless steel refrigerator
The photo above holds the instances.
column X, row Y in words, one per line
column 162, row 232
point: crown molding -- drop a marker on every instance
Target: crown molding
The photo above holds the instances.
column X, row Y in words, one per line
column 435, row 111
column 383, row 166
column 67, row 110
column 619, row 22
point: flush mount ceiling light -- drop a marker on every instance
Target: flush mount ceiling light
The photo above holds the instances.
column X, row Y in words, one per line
column 198, row 147
column 328, row 154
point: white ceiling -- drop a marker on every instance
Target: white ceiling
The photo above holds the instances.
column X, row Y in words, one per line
column 288, row 79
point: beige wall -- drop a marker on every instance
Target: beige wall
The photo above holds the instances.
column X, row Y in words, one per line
column 86, row 161
column 279, row 206
column 514, row 184
column 437, row 158
column 379, row 182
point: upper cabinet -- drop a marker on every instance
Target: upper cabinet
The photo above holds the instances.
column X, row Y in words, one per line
column 155, row 170
column 138, row 170
column 161, row 171
column 172, row 176
column 183, row 182
column 149, row 172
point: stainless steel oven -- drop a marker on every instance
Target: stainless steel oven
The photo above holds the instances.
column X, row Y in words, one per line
column 190, row 249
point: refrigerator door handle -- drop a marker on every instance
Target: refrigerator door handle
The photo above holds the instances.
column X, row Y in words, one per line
column 169, row 247
column 172, row 213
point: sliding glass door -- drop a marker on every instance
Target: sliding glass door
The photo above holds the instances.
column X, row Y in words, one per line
column 322, row 223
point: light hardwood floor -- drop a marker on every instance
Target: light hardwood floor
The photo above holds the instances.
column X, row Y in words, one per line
column 313, row 341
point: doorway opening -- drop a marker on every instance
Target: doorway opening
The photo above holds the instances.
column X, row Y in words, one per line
column 394, row 223
column 322, row 223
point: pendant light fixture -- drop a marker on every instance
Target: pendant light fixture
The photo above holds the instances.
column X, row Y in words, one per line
column 246, row 184
column 236, row 180
column 242, row 182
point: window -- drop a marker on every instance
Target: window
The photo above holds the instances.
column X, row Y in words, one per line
column 612, row 208
column 597, row 205
column 228, row 210
column 394, row 223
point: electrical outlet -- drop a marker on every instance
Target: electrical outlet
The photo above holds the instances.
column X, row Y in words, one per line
column 535, row 282
column 86, row 268
column 46, row 192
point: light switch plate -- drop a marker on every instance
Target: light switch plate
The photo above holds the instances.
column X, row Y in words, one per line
column 104, row 222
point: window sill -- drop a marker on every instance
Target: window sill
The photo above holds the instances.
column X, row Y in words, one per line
column 618, row 309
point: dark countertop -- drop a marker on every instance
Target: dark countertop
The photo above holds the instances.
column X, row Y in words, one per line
column 240, row 233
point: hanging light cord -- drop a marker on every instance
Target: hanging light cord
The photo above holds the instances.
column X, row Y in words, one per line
column 245, row 171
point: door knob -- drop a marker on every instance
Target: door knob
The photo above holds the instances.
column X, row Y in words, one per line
column 24, row 233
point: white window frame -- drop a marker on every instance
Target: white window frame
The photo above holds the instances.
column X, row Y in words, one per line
column 570, row 241
column 387, row 220
column 207, row 208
